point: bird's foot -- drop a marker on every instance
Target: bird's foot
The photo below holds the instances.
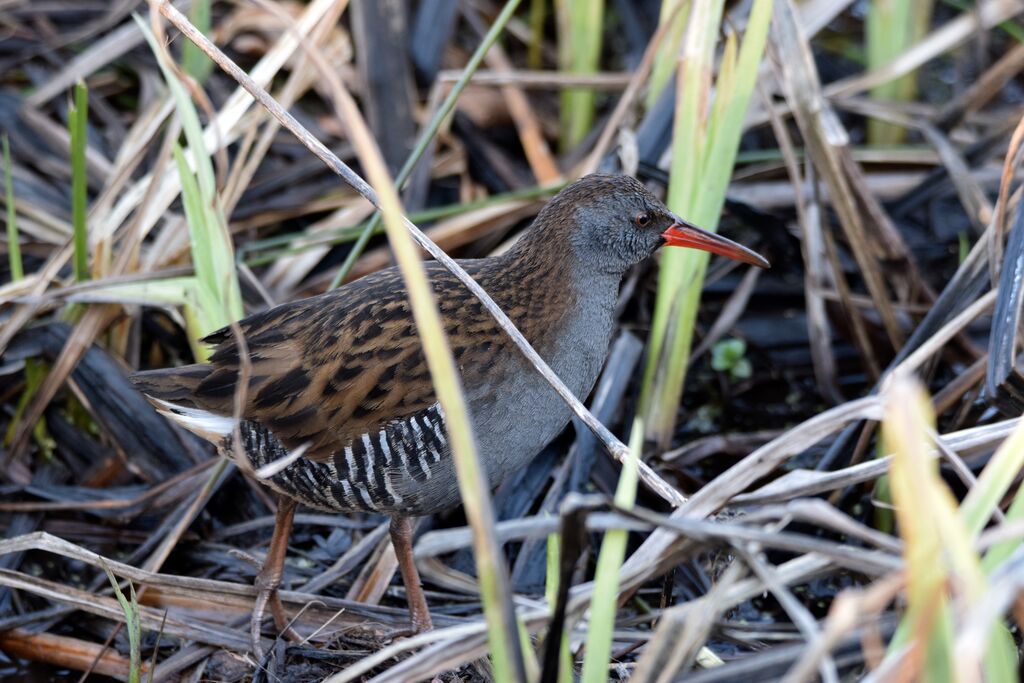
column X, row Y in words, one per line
column 269, row 579
column 420, row 618
column 267, row 583
column 415, row 627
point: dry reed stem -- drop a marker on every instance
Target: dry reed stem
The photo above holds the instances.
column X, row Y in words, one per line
column 614, row 446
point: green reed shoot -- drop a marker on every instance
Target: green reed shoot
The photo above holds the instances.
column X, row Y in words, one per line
column 605, row 602
column 78, row 116
column 193, row 60
column 551, row 579
column 704, row 149
column 943, row 570
column 130, row 607
column 677, row 12
column 212, row 297
column 13, row 245
column 579, row 52
column 892, row 27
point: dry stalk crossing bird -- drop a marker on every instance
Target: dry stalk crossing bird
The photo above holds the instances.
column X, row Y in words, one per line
column 342, row 375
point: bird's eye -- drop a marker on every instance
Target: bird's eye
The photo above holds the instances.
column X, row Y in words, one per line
column 642, row 219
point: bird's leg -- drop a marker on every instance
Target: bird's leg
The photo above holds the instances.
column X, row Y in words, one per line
column 401, row 539
column 269, row 578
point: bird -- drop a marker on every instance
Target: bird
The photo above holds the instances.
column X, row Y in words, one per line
column 338, row 392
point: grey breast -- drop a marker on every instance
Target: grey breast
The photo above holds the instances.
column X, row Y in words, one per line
column 527, row 413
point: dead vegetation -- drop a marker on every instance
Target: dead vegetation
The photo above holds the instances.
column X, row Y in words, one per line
column 790, row 525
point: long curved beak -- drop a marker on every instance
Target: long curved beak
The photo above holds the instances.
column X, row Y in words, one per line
column 685, row 234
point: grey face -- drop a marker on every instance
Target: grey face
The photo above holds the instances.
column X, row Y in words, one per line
column 619, row 228
column 613, row 222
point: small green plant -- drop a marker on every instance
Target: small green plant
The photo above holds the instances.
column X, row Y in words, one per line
column 35, row 371
column 130, row 607
column 963, row 246
column 212, row 297
column 35, row 374
column 729, row 355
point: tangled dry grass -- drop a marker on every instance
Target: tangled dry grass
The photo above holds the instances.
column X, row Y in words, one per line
column 839, row 498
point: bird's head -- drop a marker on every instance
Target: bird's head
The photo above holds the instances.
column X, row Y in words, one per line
column 613, row 222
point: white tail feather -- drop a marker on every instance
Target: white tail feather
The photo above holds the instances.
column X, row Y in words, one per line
column 210, row 426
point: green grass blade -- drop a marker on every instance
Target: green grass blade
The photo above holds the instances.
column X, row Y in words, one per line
column 892, row 26
column 190, row 123
column 193, row 60
column 977, row 508
column 687, row 131
column 1001, row 552
column 208, row 312
column 530, row 663
column 996, row 479
column 173, row 291
column 35, row 373
column 667, row 55
column 192, row 201
column 502, row 630
column 13, row 246
column 723, row 145
column 1001, row 657
column 474, row 490
column 551, row 579
column 78, row 116
column 428, row 133
column 217, row 299
column 606, row 579
column 941, row 562
column 156, row 650
column 538, row 13
column 704, row 152
column 130, row 607
column 581, row 55
column 927, row 624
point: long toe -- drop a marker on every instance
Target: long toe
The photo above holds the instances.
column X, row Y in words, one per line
column 270, row 575
column 281, row 620
column 256, row 621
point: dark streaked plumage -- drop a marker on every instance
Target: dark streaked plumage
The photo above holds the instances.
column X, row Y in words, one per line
column 343, row 377
column 337, row 373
